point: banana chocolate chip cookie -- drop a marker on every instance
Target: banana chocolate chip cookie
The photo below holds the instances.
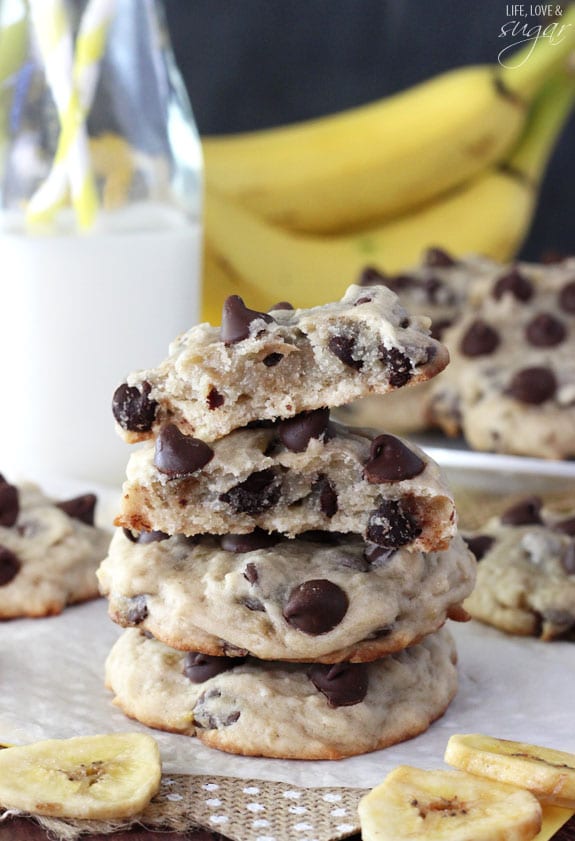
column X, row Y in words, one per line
column 526, row 571
column 49, row 551
column 510, row 387
column 439, row 287
column 289, row 711
column 291, row 476
column 263, row 366
column 321, row 597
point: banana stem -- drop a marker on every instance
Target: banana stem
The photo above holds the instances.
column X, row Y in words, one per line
column 549, row 113
column 548, row 48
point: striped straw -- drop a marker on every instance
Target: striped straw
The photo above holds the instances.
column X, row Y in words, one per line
column 72, row 79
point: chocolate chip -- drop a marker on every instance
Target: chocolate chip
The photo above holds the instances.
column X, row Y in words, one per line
column 237, row 318
column 251, row 573
column 316, row 606
column 356, row 562
column 256, row 539
column 177, row 454
column 9, row 503
column 526, row 512
column 200, row 667
column 567, row 297
column 282, row 305
column 533, row 385
column 566, row 526
column 256, row 494
column 439, row 326
column 391, row 461
column 136, row 612
column 390, row 526
column 370, row 276
column 343, row 684
column 480, row 339
column 272, row 359
column 377, row 556
column 152, row 537
column 479, row 544
column 327, row 496
column 80, row 508
column 438, row 257
column 295, row 433
column 215, row 399
column 253, row 604
column 545, row 330
column 133, row 409
column 9, row 566
column 365, row 299
column 515, row 284
column 568, row 559
column 343, row 347
column 400, row 367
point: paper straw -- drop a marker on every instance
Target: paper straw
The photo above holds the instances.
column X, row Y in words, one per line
column 72, row 79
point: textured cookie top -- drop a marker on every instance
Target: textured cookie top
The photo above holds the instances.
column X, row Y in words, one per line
column 49, row 551
column 321, row 597
column 289, row 477
column 510, row 386
column 260, row 366
column 526, row 571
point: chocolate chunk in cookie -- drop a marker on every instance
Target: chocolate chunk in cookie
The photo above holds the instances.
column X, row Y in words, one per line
column 567, row 297
column 523, row 513
column 177, row 454
column 257, row 539
column 316, row 606
column 237, row 320
column 480, row 339
column 545, row 330
column 391, row 461
column 533, row 385
column 256, row 494
column 9, row 503
column 200, row 667
column 479, row 544
column 344, row 347
column 513, row 283
column 9, row 565
column 399, row 365
column 343, row 684
column 80, row 508
column 296, row 433
column 391, row 526
column 133, row 409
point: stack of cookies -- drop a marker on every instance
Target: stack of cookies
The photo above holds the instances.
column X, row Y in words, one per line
column 283, row 578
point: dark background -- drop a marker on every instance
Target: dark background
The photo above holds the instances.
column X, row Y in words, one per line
column 250, row 64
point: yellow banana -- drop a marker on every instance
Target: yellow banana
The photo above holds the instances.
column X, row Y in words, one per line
column 489, row 216
column 383, row 159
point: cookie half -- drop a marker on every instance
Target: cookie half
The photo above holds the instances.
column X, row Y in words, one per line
column 290, row 477
column 263, row 366
column 280, row 710
column 324, row 597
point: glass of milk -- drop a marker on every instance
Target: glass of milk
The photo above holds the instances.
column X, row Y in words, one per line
column 82, row 305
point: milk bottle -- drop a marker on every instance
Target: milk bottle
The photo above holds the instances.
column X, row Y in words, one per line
column 100, row 225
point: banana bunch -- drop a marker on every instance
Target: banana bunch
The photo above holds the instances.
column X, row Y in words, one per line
column 298, row 211
column 494, row 795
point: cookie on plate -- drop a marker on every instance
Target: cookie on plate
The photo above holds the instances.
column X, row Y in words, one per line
column 288, row 711
column 322, row 597
column 289, row 477
column 263, row 366
column 510, row 387
column 49, row 551
column 526, row 571
column 439, row 287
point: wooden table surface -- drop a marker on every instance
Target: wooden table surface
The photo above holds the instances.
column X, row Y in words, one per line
column 23, row 830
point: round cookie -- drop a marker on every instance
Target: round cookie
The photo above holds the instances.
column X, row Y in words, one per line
column 526, row 571
column 49, row 551
column 439, row 287
column 321, row 597
column 284, row 710
column 510, row 386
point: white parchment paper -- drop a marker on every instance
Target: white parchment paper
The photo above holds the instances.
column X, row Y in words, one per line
column 51, row 674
